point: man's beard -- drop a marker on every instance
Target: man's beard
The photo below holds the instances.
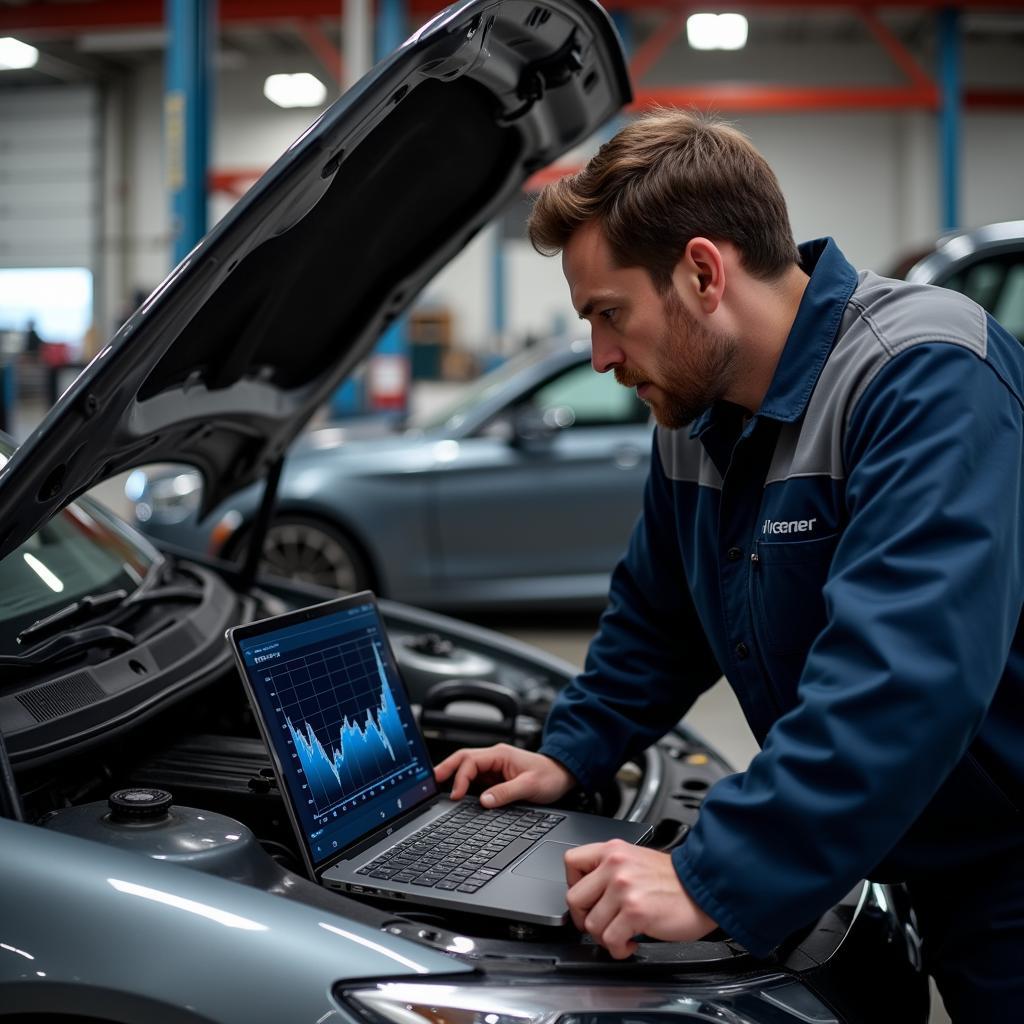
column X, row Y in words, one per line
column 693, row 368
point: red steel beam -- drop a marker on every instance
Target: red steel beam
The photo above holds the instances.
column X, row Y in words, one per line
column 744, row 6
column 546, row 175
column 906, row 61
column 234, row 182
column 774, row 99
column 323, row 49
column 73, row 17
column 783, row 99
column 727, row 98
column 654, row 46
column 994, row 99
column 80, row 17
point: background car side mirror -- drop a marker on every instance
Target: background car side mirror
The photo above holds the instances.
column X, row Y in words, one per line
column 533, row 427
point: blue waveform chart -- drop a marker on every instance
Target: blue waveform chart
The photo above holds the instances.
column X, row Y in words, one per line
column 367, row 750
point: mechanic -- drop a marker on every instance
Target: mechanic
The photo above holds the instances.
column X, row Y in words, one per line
column 839, row 532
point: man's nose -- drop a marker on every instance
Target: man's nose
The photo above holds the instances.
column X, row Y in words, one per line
column 605, row 354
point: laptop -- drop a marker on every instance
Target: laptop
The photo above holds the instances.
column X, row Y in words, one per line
column 359, row 786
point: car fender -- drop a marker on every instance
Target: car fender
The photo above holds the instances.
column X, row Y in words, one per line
column 98, row 931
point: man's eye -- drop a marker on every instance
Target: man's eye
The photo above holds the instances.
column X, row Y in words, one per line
column 609, row 314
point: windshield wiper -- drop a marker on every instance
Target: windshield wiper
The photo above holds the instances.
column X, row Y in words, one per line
column 95, row 605
column 88, row 607
column 72, row 642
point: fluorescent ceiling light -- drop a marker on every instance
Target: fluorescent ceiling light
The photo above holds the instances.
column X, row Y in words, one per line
column 49, row 578
column 301, row 90
column 16, row 54
column 716, row 31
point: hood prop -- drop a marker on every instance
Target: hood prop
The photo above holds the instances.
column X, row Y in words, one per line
column 10, row 800
column 260, row 525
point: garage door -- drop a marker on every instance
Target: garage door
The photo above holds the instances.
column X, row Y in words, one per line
column 49, row 177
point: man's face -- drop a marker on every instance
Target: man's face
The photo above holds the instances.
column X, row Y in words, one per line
column 650, row 340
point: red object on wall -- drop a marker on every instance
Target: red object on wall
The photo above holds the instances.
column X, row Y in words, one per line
column 387, row 382
column 53, row 353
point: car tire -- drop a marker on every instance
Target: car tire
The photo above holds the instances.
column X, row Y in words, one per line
column 314, row 552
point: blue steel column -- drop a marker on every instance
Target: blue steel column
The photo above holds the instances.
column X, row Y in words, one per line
column 623, row 22
column 192, row 35
column 950, row 117
column 391, row 26
column 392, row 23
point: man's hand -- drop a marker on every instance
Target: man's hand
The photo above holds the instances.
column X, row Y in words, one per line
column 617, row 891
column 527, row 776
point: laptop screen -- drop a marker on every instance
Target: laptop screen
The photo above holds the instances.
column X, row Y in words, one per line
column 337, row 715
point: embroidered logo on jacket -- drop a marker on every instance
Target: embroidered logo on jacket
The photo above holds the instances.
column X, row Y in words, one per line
column 788, row 526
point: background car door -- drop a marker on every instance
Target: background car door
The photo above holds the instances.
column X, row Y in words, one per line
column 549, row 488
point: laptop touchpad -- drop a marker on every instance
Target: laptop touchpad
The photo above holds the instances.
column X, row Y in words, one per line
column 546, row 861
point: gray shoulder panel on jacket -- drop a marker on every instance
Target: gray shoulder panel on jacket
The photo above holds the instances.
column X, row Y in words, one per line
column 683, row 458
column 883, row 319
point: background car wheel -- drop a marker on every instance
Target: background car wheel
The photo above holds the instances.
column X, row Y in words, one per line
column 311, row 551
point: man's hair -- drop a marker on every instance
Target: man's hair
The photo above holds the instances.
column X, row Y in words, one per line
column 667, row 177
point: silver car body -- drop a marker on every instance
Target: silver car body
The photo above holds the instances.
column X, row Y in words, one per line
column 102, row 933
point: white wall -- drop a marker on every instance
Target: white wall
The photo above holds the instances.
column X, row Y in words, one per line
column 870, row 179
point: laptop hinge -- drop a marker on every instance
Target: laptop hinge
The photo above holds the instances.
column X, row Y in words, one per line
column 382, row 833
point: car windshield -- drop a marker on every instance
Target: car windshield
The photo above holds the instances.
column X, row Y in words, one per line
column 76, row 553
column 452, row 414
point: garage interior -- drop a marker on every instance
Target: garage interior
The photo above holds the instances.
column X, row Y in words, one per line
column 888, row 125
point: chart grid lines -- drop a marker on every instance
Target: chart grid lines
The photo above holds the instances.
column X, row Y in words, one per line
column 344, row 723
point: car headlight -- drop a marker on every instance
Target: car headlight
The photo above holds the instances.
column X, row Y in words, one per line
column 167, row 498
column 771, row 997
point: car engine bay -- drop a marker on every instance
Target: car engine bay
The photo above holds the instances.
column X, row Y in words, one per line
column 156, row 750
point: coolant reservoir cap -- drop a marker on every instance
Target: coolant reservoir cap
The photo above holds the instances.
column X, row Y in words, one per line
column 139, row 804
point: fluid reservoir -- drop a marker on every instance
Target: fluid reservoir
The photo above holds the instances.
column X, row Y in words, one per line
column 147, row 821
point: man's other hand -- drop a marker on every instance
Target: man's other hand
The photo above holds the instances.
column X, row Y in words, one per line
column 617, row 891
column 526, row 775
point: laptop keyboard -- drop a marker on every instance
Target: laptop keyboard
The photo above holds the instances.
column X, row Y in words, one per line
column 463, row 849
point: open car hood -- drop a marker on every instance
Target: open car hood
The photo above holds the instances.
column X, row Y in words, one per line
column 226, row 361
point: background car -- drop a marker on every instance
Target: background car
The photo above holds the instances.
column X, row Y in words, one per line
column 521, row 492
column 986, row 264
column 490, row 503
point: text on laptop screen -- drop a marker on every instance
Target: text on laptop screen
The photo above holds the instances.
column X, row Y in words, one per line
column 341, row 726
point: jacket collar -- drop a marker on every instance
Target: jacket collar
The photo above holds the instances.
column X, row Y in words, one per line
column 832, row 281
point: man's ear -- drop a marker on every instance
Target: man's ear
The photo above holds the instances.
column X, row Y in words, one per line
column 699, row 275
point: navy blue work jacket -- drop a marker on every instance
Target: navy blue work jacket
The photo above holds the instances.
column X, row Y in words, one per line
column 850, row 558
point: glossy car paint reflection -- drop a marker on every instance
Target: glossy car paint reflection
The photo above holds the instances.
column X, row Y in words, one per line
column 198, row 931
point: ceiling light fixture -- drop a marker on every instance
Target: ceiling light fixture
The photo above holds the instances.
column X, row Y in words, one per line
column 14, row 54
column 299, row 90
column 716, row 31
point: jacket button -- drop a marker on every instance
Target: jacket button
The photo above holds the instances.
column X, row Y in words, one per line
column 742, row 651
column 734, row 554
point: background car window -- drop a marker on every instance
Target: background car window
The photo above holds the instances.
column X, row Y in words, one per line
column 997, row 283
column 596, row 400
column 452, row 414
